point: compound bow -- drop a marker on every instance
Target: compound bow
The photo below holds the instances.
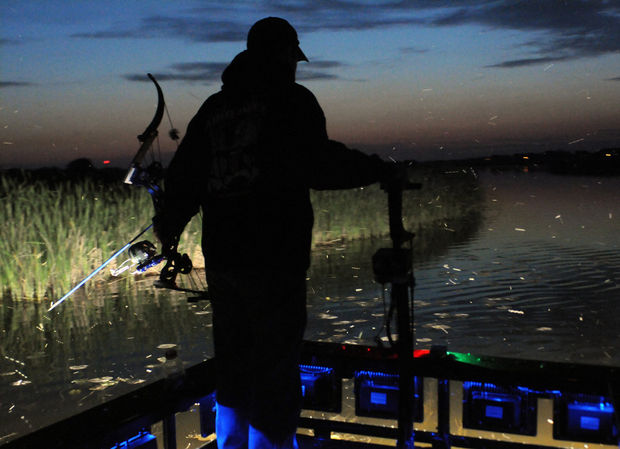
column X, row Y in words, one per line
column 143, row 254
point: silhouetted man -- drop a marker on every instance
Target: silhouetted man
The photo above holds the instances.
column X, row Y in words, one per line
column 249, row 158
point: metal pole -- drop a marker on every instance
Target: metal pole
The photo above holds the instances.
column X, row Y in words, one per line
column 400, row 294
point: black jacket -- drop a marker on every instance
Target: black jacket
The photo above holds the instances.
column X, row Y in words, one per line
column 249, row 158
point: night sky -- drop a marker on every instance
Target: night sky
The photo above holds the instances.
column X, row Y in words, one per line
column 426, row 79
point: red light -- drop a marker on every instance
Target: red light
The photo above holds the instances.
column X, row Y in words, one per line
column 343, row 347
column 106, row 162
column 421, row 352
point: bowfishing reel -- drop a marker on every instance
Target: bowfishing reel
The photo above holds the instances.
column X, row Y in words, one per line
column 143, row 255
column 141, row 251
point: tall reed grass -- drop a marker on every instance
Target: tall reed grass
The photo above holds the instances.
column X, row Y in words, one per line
column 445, row 196
column 54, row 234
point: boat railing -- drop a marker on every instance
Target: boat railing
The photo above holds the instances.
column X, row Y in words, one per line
column 351, row 398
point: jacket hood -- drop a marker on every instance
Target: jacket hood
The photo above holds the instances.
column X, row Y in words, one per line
column 248, row 72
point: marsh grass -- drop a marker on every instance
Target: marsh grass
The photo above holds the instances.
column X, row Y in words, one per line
column 445, row 197
column 54, row 233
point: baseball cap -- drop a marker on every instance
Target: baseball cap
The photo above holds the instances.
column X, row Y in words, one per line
column 270, row 34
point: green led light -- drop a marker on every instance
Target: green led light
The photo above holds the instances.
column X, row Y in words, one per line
column 465, row 357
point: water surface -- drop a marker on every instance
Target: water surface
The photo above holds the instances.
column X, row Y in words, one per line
column 534, row 275
column 537, row 278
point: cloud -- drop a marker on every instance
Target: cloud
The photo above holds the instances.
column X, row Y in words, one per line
column 322, row 64
column 211, row 72
column 564, row 29
column 109, row 34
column 204, row 72
column 312, row 75
column 567, row 29
column 15, row 84
column 216, row 23
column 525, row 62
column 195, row 29
column 317, row 70
column 6, row 41
column 413, row 50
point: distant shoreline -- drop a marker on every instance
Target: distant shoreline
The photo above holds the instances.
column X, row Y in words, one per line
column 602, row 162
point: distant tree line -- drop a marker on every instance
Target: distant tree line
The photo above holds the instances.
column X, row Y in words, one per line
column 76, row 170
column 602, row 162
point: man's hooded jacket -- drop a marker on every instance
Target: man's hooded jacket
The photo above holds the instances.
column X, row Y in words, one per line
column 248, row 159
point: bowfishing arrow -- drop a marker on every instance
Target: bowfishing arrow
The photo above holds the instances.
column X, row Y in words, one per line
column 149, row 177
column 98, row 269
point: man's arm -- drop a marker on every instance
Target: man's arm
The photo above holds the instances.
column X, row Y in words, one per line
column 335, row 166
column 328, row 164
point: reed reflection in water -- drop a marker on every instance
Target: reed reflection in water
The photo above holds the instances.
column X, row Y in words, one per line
column 56, row 365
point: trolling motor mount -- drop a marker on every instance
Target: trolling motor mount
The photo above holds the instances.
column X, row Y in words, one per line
column 392, row 265
column 395, row 266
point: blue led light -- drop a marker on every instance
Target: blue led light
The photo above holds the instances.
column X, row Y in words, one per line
column 603, row 407
column 493, row 411
column 587, row 418
column 310, row 375
column 378, row 398
column 313, row 369
column 142, row 440
column 377, row 395
column 488, row 406
column 377, row 375
column 590, row 423
column 320, row 388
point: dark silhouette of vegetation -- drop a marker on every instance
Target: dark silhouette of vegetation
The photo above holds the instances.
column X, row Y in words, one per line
column 76, row 171
column 605, row 162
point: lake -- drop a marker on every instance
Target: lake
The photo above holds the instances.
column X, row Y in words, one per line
column 534, row 275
